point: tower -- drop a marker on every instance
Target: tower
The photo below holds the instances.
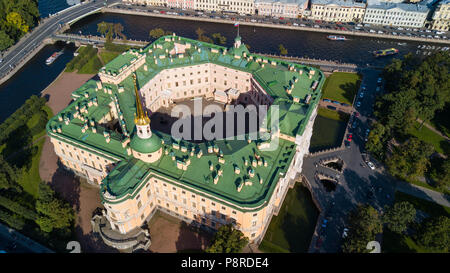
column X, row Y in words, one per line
column 144, row 145
column 141, row 118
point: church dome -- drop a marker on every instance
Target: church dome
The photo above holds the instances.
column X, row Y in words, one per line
column 146, row 146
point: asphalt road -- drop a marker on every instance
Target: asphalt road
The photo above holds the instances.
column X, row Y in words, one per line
column 358, row 183
column 48, row 27
column 350, row 26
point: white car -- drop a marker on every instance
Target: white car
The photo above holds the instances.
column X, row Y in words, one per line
column 380, row 32
column 371, row 165
column 344, row 233
column 372, row 31
column 295, row 24
column 379, row 80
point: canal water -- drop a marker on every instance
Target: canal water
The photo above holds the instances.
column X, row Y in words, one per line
column 47, row 7
column 356, row 50
column 34, row 77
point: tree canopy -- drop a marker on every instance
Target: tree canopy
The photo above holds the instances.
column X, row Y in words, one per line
column 363, row 224
column 399, row 216
column 228, row 240
column 17, row 17
column 434, row 234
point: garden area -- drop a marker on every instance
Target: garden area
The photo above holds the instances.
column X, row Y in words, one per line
column 342, row 87
column 440, row 144
column 28, row 204
column 329, row 129
column 292, row 229
column 90, row 59
column 408, row 242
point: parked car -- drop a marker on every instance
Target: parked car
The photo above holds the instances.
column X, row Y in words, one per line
column 379, row 80
column 354, row 124
column 378, row 89
column 344, row 233
column 371, row 165
column 358, row 104
column 361, row 95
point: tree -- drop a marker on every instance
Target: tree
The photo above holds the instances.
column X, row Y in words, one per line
column 376, row 140
column 156, row 33
column 5, row 40
column 219, row 39
column 282, row 49
column 102, row 28
column 118, row 28
column 363, row 224
column 434, row 233
column 54, row 214
column 410, row 159
column 8, row 176
column 200, row 33
column 228, row 240
column 16, row 20
column 440, row 172
column 399, row 216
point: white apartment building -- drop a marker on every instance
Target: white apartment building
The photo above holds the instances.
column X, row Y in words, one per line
column 396, row 14
column 281, row 8
column 237, row 6
column 160, row 3
column 441, row 16
column 337, row 10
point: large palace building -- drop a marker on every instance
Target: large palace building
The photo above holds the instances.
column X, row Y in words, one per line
column 105, row 135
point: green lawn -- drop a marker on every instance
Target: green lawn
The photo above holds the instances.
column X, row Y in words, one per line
column 426, row 206
column 401, row 243
column 328, row 130
column 29, row 178
column 331, row 114
column 291, row 230
column 342, row 87
column 440, row 144
column 108, row 56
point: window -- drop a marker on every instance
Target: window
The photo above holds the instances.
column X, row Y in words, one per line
column 139, row 204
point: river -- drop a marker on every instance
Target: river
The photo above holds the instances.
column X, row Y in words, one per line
column 36, row 76
column 33, row 77
column 356, row 50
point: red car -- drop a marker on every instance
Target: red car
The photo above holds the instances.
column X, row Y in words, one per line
column 356, row 114
column 350, row 136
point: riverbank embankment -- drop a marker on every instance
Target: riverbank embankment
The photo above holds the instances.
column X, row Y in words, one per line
column 311, row 29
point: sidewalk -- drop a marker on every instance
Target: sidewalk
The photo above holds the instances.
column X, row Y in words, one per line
column 424, row 193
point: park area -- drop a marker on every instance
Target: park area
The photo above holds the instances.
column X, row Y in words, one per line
column 341, row 87
column 292, row 229
column 329, row 129
column 406, row 243
column 90, row 59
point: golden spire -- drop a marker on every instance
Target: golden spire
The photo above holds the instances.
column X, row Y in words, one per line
column 140, row 118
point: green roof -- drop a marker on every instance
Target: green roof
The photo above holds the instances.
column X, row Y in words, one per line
column 91, row 105
column 146, row 146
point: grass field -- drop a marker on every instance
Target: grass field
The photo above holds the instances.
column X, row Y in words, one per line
column 29, row 179
column 108, row 56
column 342, row 87
column 401, row 243
column 331, row 114
column 328, row 130
column 426, row 135
column 291, row 230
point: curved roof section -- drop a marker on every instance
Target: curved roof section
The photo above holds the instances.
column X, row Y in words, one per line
column 146, row 146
